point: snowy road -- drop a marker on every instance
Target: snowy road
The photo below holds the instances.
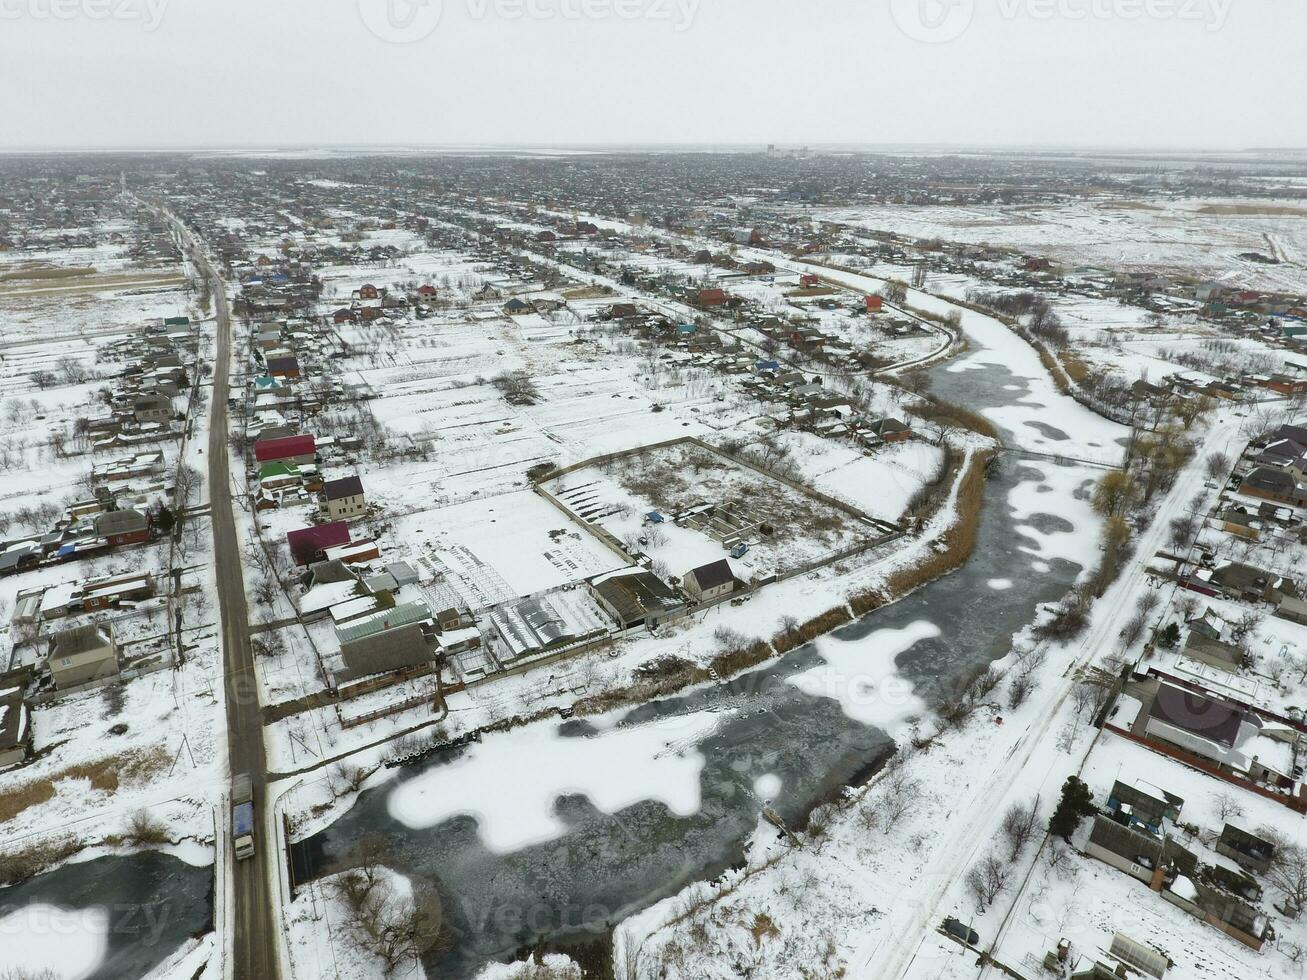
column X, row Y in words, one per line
column 252, row 933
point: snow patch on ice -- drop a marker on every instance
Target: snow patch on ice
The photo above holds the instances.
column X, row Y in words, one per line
column 70, row 943
column 860, row 674
column 1000, row 584
column 767, row 786
column 510, row 783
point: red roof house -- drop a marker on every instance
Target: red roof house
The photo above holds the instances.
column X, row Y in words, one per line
column 710, row 297
column 308, row 543
column 875, row 304
column 289, row 447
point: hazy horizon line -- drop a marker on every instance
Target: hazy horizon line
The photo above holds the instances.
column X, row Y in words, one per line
column 237, row 149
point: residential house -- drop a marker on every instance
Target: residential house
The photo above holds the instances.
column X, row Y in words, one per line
column 1247, row 850
column 15, row 728
column 279, row 475
column 386, row 651
column 1209, row 624
column 711, row 581
column 82, row 654
column 1286, row 385
column 285, row 366
column 152, row 408
column 1293, row 609
column 1227, row 736
column 516, row 307
column 354, row 552
column 1295, row 432
column 299, row 449
column 1275, row 484
column 344, row 498
column 635, row 598
column 1283, row 454
column 1214, row 652
column 1250, row 584
column 122, row 527
column 1142, row 805
column 1239, row 522
column 116, row 592
column 891, row 430
column 308, row 545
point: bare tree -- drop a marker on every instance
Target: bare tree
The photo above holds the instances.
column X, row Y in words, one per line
column 1022, row 686
column 1183, row 531
column 1020, row 824
column 1218, row 465
column 986, row 880
column 894, row 797
column 396, row 928
column 1133, row 631
column 1227, row 806
column 1288, row 871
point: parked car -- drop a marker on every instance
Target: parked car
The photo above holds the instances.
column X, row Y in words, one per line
column 960, row 931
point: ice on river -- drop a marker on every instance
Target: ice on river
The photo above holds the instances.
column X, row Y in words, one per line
column 68, row 943
column 861, row 676
column 511, row 782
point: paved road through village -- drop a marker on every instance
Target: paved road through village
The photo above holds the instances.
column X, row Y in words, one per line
column 254, row 937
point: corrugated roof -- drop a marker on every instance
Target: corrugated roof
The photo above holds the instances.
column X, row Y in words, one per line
column 401, row 615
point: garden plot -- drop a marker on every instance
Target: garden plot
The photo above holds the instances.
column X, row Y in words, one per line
column 686, row 506
column 511, row 545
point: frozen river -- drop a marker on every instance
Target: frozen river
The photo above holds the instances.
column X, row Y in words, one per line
column 110, row 918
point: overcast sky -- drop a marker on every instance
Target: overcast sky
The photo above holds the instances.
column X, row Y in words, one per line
column 206, row 73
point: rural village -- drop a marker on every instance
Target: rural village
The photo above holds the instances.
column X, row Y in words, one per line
column 773, row 564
